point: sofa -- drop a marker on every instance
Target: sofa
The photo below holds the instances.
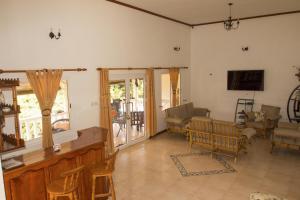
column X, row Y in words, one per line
column 286, row 135
column 216, row 136
column 264, row 121
column 179, row 116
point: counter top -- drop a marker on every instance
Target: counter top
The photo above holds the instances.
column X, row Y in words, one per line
column 86, row 138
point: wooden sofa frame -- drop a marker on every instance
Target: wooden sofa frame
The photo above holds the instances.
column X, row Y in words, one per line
column 179, row 116
column 216, row 136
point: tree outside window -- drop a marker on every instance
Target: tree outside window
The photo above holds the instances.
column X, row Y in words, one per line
column 30, row 117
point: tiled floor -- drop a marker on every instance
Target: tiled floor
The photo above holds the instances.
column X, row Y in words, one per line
column 120, row 137
column 146, row 172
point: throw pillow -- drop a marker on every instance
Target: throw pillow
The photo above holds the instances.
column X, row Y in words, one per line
column 259, row 116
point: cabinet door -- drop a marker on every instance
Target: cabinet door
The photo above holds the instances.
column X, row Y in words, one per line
column 30, row 185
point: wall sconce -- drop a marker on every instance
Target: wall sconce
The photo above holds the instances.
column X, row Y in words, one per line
column 52, row 35
column 177, row 48
column 245, row 48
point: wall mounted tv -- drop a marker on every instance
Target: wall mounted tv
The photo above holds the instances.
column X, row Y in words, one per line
column 252, row 80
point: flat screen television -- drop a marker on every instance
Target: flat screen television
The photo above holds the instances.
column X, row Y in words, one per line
column 252, row 80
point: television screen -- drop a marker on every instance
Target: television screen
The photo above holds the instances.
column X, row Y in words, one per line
column 245, row 80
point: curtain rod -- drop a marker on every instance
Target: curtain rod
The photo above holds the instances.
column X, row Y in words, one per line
column 24, row 71
column 140, row 68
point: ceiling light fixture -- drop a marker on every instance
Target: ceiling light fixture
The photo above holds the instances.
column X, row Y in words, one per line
column 231, row 24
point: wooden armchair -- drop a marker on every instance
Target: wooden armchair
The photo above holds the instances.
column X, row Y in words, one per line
column 286, row 135
column 269, row 121
column 179, row 116
column 200, row 130
column 227, row 138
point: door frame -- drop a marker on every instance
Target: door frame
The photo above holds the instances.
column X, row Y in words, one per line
column 126, row 76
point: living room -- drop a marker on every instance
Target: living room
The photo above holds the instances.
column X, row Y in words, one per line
column 100, row 34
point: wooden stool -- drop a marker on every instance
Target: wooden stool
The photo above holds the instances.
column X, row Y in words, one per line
column 106, row 171
column 67, row 186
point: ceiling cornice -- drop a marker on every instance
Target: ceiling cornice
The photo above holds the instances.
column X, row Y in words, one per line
column 150, row 13
column 198, row 24
column 251, row 17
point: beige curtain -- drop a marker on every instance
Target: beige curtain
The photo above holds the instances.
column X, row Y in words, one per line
column 174, row 74
column 105, row 108
column 150, row 103
column 45, row 85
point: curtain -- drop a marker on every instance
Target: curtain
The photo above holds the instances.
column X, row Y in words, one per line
column 105, row 108
column 45, row 84
column 150, row 103
column 174, row 74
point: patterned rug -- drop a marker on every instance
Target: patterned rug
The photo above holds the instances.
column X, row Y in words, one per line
column 201, row 163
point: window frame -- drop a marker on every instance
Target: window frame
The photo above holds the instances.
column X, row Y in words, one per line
column 39, row 118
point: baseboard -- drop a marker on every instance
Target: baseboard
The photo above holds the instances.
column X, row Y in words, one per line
column 160, row 132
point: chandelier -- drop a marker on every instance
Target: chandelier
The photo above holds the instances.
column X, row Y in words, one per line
column 231, row 24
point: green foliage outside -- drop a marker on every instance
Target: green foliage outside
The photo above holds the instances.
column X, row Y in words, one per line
column 30, row 109
column 117, row 90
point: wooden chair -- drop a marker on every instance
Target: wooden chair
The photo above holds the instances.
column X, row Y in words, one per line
column 200, row 130
column 270, row 118
column 67, row 186
column 106, row 171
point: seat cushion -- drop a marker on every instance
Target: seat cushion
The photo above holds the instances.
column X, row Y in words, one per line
column 249, row 132
column 288, row 125
column 202, row 118
column 259, row 116
column 288, row 133
column 175, row 120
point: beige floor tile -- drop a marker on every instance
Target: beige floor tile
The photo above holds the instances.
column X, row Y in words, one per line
column 235, row 196
column 210, row 193
column 146, row 172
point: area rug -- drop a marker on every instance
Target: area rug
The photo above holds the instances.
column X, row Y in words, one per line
column 200, row 164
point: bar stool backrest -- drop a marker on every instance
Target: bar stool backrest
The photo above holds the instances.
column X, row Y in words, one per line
column 71, row 178
column 110, row 161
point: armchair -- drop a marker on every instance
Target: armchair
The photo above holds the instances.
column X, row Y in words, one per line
column 269, row 115
column 286, row 135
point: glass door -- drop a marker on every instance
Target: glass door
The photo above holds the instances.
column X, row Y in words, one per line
column 118, row 111
column 136, row 109
column 128, row 110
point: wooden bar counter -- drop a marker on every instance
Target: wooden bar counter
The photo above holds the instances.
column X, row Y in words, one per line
column 28, row 182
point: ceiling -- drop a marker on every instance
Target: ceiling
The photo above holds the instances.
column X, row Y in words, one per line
column 204, row 11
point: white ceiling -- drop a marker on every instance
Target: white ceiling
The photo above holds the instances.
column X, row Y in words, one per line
column 202, row 11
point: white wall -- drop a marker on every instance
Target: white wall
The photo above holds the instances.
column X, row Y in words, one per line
column 94, row 33
column 273, row 46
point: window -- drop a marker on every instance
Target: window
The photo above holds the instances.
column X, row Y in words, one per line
column 166, row 91
column 30, row 117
